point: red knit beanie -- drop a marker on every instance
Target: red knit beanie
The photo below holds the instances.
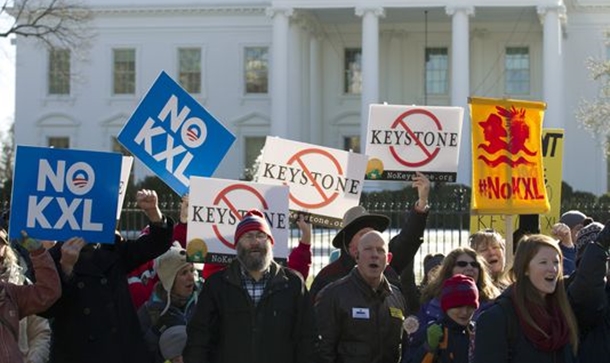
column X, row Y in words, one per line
column 459, row 290
column 254, row 220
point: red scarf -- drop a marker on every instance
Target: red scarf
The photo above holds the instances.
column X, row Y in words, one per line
column 550, row 320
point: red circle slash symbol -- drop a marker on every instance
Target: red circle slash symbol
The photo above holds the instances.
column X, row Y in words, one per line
column 233, row 209
column 429, row 154
column 326, row 199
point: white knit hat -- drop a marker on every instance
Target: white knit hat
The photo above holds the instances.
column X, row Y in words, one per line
column 167, row 266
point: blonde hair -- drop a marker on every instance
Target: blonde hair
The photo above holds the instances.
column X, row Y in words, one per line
column 524, row 290
column 490, row 237
column 487, row 290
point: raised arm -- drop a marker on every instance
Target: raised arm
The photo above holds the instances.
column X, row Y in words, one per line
column 154, row 243
column 300, row 256
column 36, row 298
column 405, row 245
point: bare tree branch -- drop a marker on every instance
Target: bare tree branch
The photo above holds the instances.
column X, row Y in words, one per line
column 594, row 115
column 55, row 23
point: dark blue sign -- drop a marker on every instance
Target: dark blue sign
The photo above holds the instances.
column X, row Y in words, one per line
column 174, row 136
column 61, row 193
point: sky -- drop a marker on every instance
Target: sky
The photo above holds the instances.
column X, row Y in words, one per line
column 7, row 78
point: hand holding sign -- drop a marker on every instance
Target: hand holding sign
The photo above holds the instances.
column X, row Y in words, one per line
column 29, row 243
column 70, row 251
column 184, row 209
column 422, row 183
column 305, row 228
column 149, row 203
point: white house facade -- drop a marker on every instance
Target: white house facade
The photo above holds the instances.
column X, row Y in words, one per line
column 307, row 70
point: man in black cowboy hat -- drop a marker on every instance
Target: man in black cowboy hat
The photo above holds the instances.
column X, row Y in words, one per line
column 357, row 221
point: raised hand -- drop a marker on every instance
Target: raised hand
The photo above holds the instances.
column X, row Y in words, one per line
column 149, row 203
column 70, row 251
column 422, row 183
column 29, row 243
column 184, row 209
column 305, row 228
column 561, row 231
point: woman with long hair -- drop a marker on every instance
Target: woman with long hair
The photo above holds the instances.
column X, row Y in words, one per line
column 465, row 261
column 532, row 320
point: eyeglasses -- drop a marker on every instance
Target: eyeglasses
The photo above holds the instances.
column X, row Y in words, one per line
column 250, row 237
column 473, row 264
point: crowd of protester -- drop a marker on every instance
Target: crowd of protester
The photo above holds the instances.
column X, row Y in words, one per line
column 142, row 301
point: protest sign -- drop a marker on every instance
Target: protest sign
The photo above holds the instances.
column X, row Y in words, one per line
column 174, row 136
column 552, row 152
column 323, row 182
column 507, row 170
column 61, row 193
column 217, row 205
column 404, row 139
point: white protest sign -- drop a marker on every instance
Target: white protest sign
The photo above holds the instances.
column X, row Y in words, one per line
column 216, row 206
column 126, row 165
column 401, row 140
column 323, row 182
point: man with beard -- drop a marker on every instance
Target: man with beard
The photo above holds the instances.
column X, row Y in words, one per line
column 360, row 316
column 253, row 311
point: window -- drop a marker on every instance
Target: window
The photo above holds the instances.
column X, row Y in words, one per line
column 58, row 142
column 59, row 71
column 351, row 143
column 253, row 147
column 353, row 71
column 124, row 71
column 517, row 71
column 189, row 69
column 256, row 68
column 437, row 67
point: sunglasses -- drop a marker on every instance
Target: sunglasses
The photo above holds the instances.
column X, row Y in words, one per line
column 473, row 264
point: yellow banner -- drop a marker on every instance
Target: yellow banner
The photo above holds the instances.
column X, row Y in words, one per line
column 552, row 154
column 507, row 172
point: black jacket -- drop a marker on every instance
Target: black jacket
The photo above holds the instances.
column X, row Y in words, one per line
column 589, row 296
column 95, row 319
column 228, row 328
column 403, row 247
column 358, row 324
column 500, row 338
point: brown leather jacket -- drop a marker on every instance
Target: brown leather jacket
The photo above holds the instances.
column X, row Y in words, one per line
column 19, row 301
column 358, row 324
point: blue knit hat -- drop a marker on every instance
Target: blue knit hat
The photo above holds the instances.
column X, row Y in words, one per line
column 254, row 220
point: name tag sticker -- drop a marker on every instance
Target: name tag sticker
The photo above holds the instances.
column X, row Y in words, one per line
column 360, row 313
column 396, row 313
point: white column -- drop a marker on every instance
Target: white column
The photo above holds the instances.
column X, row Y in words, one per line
column 460, row 82
column 552, row 64
column 395, row 64
column 370, row 65
column 279, row 70
column 295, row 85
column 315, row 90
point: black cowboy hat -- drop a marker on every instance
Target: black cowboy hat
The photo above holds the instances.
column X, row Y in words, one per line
column 355, row 219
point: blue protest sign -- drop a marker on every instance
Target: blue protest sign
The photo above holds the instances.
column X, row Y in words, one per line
column 61, row 193
column 174, row 136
